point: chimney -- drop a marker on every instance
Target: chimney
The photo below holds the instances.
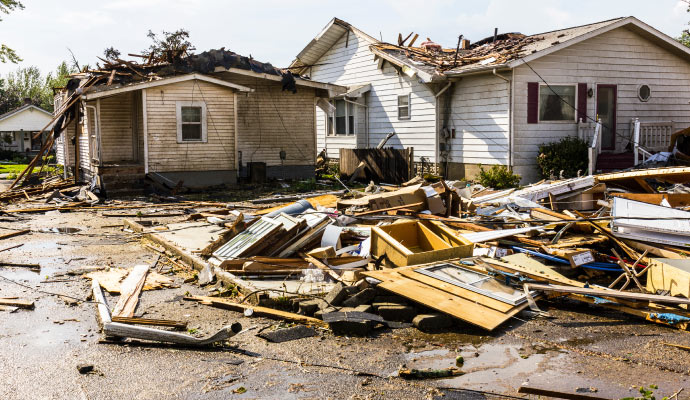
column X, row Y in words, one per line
column 27, row 100
column 464, row 44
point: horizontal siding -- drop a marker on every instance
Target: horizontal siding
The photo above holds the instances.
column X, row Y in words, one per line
column 619, row 57
column 29, row 119
column 355, row 65
column 271, row 119
column 116, row 128
column 165, row 154
column 480, row 117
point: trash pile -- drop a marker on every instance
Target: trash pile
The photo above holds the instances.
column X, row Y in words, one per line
column 427, row 254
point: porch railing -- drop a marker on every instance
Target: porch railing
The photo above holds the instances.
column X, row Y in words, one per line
column 590, row 132
column 650, row 137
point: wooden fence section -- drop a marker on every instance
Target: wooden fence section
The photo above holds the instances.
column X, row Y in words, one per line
column 381, row 165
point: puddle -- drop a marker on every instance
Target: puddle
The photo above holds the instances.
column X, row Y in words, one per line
column 64, row 229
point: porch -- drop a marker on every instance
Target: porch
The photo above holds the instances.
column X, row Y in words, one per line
column 641, row 141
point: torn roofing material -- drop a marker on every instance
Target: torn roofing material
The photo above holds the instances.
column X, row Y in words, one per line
column 120, row 73
column 484, row 53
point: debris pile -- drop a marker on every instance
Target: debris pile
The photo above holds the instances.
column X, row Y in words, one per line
column 430, row 254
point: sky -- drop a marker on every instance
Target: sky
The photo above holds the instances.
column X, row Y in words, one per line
column 276, row 30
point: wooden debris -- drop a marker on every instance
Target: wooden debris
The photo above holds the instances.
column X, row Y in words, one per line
column 257, row 310
column 17, row 303
column 129, row 291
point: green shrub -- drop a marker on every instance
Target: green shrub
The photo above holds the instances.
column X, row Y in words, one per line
column 568, row 155
column 498, row 177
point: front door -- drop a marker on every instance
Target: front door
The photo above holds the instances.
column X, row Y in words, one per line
column 606, row 111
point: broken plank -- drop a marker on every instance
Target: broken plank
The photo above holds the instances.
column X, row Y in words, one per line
column 129, row 291
column 258, row 310
column 13, row 234
column 151, row 321
column 609, row 293
column 318, row 264
column 17, row 303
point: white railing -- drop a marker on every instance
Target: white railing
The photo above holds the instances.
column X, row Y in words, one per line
column 590, row 132
column 650, row 137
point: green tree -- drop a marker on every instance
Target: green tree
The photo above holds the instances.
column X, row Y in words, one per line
column 684, row 37
column 6, row 53
column 29, row 83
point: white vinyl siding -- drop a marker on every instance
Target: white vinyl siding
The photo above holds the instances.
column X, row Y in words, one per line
column 618, row 57
column 479, row 115
column 354, row 65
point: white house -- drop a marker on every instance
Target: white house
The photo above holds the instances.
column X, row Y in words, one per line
column 496, row 100
column 17, row 127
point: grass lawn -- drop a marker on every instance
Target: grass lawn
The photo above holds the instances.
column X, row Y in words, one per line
column 16, row 168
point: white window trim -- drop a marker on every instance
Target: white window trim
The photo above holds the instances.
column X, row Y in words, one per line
column 178, row 109
column 409, row 106
column 567, row 121
column 331, row 132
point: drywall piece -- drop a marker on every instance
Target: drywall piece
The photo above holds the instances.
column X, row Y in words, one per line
column 538, row 191
column 479, row 237
column 650, row 223
column 412, row 243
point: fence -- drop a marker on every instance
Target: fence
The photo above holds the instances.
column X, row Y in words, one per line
column 380, row 165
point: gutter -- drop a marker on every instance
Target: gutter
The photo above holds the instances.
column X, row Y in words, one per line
column 510, row 116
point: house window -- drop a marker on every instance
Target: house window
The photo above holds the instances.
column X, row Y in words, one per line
column 557, row 103
column 344, row 119
column 191, row 121
column 404, row 107
column 644, row 92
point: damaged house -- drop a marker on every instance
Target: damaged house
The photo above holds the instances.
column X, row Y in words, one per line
column 203, row 119
column 496, row 100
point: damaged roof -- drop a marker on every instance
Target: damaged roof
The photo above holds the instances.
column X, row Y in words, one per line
column 509, row 50
column 118, row 73
column 484, row 53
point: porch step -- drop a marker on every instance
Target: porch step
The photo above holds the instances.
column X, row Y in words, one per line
column 608, row 162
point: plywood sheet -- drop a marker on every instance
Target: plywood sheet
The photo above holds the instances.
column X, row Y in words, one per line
column 111, row 279
column 458, row 307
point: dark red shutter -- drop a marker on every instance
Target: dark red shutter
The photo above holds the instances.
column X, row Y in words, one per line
column 532, row 102
column 582, row 102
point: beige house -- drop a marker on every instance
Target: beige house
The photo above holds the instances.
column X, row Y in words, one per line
column 201, row 129
column 495, row 100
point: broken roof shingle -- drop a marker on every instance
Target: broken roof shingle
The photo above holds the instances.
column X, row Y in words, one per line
column 487, row 52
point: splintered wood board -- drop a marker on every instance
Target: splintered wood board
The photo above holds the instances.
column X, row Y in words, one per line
column 130, row 290
column 111, row 279
column 458, row 307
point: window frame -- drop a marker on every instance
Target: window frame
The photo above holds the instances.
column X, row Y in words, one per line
column 331, row 123
column 574, row 104
column 639, row 96
column 203, row 122
column 409, row 106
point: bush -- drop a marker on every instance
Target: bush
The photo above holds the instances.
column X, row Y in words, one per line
column 568, row 155
column 498, row 177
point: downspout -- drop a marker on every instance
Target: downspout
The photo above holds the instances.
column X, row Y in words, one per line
column 438, row 127
column 510, row 117
column 97, row 132
column 146, row 132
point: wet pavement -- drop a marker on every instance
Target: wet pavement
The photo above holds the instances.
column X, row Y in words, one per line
column 582, row 347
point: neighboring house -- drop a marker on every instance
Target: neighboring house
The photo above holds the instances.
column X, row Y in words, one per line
column 204, row 123
column 17, row 128
column 498, row 99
